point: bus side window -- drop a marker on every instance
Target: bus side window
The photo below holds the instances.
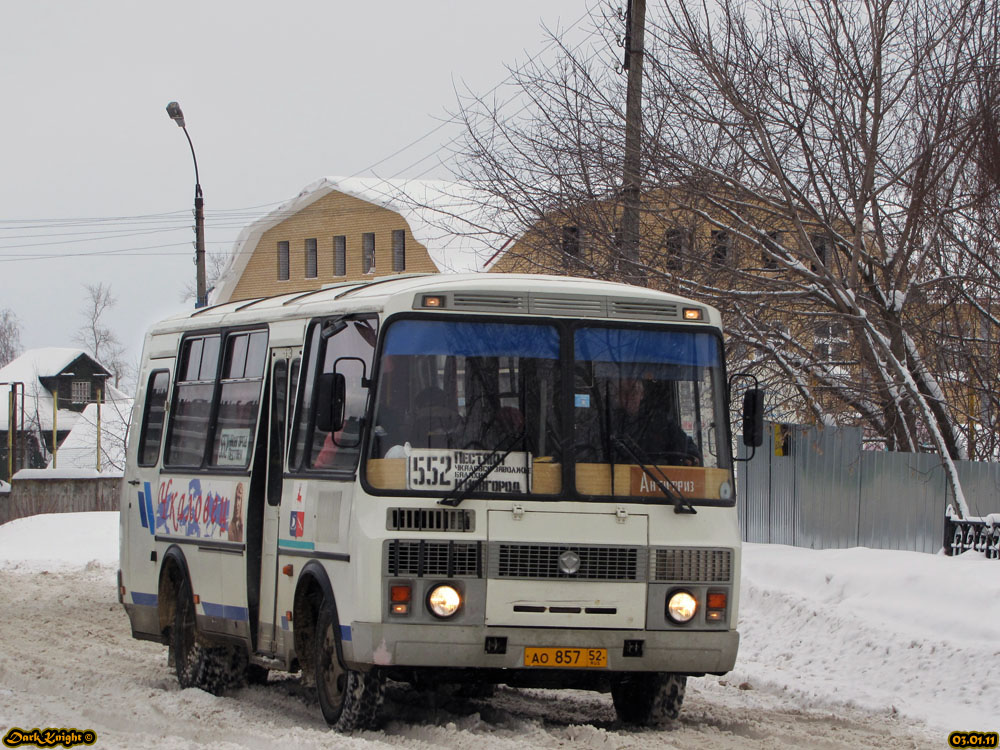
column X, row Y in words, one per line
column 191, row 410
column 153, row 417
column 239, row 396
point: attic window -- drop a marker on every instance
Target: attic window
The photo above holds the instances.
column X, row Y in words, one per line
column 398, row 250
column 368, row 252
column 821, row 247
column 571, row 240
column 81, row 391
column 311, row 270
column 676, row 244
column 720, row 245
column 340, row 255
column 283, row 261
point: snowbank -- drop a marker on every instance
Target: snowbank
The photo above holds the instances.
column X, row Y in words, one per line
column 886, row 630
column 60, row 541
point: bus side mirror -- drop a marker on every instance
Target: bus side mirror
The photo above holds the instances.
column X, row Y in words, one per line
column 331, row 401
column 753, row 417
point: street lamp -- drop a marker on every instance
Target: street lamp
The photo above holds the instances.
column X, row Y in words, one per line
column 174, row 110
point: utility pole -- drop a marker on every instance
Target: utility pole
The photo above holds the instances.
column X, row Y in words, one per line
column 635, row 21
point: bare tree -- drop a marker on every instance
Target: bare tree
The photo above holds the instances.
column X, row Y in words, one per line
column 215, row 265
column 821, row 172
column 10, row 336
column 95, row 334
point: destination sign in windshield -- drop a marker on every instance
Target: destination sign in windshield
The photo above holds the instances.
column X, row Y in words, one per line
column 431, row 469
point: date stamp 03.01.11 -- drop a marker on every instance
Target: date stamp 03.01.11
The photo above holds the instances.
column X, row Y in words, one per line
column 973, row 739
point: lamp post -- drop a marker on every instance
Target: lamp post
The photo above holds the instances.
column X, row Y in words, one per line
column 174, row 110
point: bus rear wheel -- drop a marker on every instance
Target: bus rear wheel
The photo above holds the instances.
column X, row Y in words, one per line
column 648, row 698
column 349, row 699
column 198, row 664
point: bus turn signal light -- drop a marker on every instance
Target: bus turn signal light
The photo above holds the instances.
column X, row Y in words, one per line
column 399, row 599
column 716, row 609
column 692, row 313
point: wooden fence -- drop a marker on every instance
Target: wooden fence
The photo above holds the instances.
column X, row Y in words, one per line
column 29, row 497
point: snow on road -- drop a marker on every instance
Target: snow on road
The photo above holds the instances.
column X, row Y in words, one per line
column 840, row 649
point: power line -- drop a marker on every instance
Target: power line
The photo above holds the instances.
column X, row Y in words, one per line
column 122, row 227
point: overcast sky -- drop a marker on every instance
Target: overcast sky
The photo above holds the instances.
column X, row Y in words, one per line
column 98, row 183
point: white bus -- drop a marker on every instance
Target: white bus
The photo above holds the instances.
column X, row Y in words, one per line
column 487, row 479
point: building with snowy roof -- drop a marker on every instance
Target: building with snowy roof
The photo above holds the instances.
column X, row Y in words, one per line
column 51, row 387
column 349, row 229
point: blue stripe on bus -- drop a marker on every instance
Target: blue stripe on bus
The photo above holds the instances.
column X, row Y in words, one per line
column 225, row 611
column 345, row 632
column 146, row 600
column 149, row 509
column 142, row 510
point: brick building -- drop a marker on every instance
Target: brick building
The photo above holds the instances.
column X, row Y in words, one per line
column 351, row 229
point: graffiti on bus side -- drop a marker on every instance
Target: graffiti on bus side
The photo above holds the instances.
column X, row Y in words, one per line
column 206, row 514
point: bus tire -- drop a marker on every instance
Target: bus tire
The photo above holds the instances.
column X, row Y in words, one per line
column 349, row 699
column 648, row 698
column 197, row 664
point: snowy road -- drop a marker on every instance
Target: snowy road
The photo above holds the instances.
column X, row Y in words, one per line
column 840, row 649
column 67, row 660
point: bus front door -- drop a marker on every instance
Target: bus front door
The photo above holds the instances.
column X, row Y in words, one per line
column 284, row 373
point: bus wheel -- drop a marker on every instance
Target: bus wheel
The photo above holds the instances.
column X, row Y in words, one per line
column 648, row 698
column 198, row 665
column 350, row 700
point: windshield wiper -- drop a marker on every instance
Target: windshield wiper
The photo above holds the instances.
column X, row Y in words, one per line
column 663, row 482
column 471, row 481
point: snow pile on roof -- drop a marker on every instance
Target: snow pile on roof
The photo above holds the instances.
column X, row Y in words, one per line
column 61, row 473
column 450, row 219
column 39, row 363
column 79, row 449
column 4, row 487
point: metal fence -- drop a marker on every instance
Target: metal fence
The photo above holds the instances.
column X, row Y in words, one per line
column 816, row 487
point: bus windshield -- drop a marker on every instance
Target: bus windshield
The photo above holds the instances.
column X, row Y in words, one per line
column 480, row 408
column 645, row 398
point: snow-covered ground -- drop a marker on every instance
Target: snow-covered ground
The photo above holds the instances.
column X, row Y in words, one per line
column 841, row 648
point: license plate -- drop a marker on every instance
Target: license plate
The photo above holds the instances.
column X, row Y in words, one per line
column 588, row 658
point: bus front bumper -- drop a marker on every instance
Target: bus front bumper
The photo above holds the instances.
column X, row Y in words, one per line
column 436, row 646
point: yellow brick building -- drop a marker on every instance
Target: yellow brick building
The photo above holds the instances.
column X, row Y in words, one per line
column 351, row 229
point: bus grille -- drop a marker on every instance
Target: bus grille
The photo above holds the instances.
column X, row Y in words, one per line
column 430, row 519
column 686, row 565
column 413, row 557
column 541, row 561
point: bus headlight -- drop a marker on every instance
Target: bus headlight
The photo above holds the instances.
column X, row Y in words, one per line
column 444, row 600
column 681, row 606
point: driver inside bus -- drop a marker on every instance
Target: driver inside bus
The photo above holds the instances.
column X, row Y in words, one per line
column 644, row 416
